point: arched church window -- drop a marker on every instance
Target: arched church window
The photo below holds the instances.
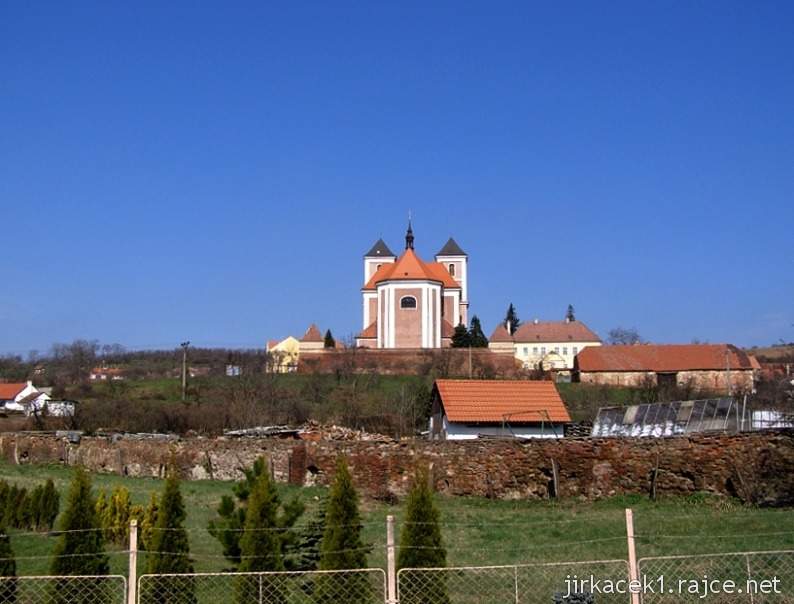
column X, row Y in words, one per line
column 407, row 302
column 452, row 269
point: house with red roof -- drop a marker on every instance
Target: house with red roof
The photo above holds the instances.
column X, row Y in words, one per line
column 712, row 367
column 547, row 345
column 410, row 303
column 470, row 409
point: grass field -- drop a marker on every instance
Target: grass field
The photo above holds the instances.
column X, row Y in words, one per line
column 476, row 531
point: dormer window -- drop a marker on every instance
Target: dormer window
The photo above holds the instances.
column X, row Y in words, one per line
column 452, row 269
column 408, row 302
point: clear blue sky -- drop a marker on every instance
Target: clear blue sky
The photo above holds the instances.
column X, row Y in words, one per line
column 215, row 171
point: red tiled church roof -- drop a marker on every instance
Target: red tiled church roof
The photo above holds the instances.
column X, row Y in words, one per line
column 546, row 331
column 370, row 332
column 312, row 334
column 501, row 400
column 665, row 357
column 409, row 267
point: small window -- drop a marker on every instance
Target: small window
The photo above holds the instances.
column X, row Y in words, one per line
column 575, row 351
column 557, row 349
column 526, row 351
column 407, row 302
column 535, row 350
column 565, row 351
column 452, row 269
column 543, row 350
column 377, row 267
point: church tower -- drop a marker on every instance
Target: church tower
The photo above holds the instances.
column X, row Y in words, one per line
column 456, row 262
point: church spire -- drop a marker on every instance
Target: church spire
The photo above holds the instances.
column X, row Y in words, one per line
column 409, row 235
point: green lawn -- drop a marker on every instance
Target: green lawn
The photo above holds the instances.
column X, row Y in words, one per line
column 476, row 531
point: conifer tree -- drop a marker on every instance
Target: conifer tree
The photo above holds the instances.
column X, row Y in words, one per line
column 342, row 547
column 49, row 505
column 328, row 341
column 8, row 569
column 228, row 528
column 460, row 337
column 476, row 336
column 310, row 539
column 36, row 496
column 169, row 551
column 149, row 520
column 421, row 545
column 260, row 545
column 80, row 547
column 511, row 321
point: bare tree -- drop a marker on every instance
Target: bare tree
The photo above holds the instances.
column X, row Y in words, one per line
column 624, row 335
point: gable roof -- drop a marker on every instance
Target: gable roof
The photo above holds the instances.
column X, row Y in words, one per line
column 312, row 335
column 409, row 267
column 492, row 401
column 546, row 331
column 451, row 248
column 665, row 357
column 10, row 391
column 379, row 249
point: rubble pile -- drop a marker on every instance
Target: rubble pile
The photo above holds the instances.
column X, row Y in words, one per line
column 313, row 431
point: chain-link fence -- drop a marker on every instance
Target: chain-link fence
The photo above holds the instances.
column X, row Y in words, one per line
column 107, row 589
column 365, row 586
column 523, row 583
column 702, row 577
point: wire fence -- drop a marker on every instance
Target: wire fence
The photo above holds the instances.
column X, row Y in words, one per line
column 105, row 589
column 361, row 586
column 755, row 578
column 525, row 583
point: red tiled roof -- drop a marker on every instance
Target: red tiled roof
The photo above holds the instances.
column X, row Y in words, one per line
column 501, row 400
column 410, row 267
column 271, row 344
column 370, row 332
column 9, row 391
column 546, row 331
column 312, row 334
column 664, row 357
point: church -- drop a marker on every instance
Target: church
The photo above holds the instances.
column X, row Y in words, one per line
column 410, row 303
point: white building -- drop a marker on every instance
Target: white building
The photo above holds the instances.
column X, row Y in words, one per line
column 469, row 409
column 550, row 344
column 24, row 397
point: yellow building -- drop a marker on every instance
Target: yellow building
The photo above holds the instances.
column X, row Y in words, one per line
column 282, row 356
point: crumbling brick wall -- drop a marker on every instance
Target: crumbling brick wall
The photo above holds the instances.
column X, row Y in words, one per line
column 756, row 467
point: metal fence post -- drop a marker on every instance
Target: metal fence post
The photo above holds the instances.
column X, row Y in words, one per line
column 132, row 579
column 633, row 573
column 391, row 564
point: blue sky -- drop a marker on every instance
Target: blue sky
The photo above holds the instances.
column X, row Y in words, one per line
column 215, row 171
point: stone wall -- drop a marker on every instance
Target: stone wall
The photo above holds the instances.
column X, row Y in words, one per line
column 756, row 467
column 446, row 362
column 711, row 380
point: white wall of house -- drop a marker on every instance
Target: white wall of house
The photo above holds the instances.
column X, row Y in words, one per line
column 459, row 431
column 556, row 353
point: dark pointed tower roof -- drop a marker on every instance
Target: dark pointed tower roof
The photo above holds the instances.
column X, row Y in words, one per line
column 451, row 248
column 380, row 250
column 409, row 237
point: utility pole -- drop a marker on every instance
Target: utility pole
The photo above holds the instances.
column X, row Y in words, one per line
column 184, row 346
